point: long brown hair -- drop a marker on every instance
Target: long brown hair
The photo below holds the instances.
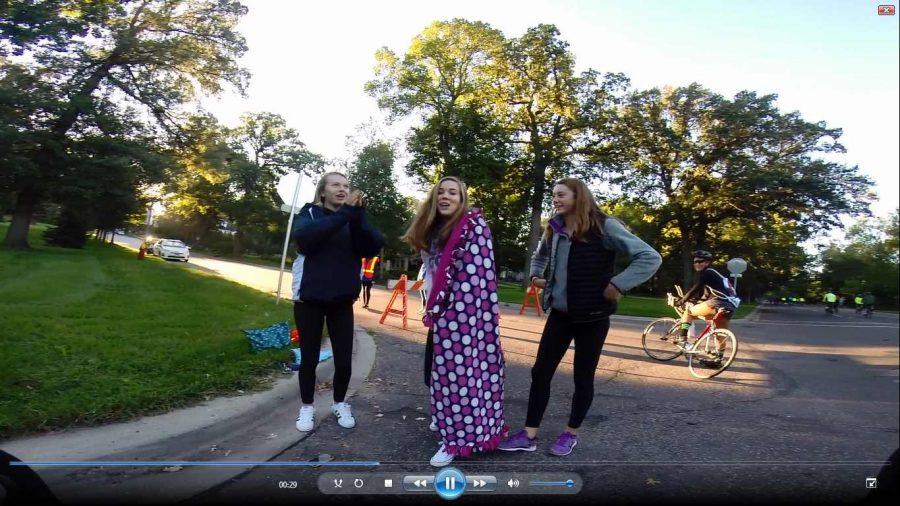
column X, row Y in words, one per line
column 587, row 214
column 420, row 231
column 320, row 186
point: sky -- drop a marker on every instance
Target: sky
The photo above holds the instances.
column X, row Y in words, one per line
column 833, row 61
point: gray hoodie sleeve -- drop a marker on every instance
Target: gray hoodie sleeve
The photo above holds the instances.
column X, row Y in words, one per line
column 540, row 259
column 644, row 260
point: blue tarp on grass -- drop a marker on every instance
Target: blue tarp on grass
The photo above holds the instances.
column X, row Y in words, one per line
column 278, row 336
column 275, row 336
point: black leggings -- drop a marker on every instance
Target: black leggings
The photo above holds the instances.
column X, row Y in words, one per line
column 429, row 356
column 310, row 318
column 558, row 334
column 366, row 290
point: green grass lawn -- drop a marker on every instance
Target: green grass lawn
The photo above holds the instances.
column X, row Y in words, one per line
column 628, row 305
column 94, row 336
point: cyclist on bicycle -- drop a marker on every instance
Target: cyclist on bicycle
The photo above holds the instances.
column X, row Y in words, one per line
column 869, row 302
column 831, row 302
column 710, row 293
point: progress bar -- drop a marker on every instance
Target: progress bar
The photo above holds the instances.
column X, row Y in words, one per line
column 186, row 463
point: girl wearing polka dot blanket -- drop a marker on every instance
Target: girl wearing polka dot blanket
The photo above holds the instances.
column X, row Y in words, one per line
column 578, row 253
column 464, row 367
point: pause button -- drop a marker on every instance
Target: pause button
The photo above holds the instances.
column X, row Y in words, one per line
column 450, row 483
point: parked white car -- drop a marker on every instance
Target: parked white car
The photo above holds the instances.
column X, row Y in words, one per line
column 171, row 249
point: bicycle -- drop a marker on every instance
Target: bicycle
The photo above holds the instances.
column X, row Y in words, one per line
column 662, row 341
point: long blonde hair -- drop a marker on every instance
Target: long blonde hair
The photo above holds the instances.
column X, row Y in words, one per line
column 587, row 214
column 320, row 186
column 420, row 231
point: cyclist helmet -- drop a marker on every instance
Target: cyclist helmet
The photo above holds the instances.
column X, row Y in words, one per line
column 703, row 254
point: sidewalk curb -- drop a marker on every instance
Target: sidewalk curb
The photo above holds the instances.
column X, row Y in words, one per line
column 252, row 428
column 753, row 316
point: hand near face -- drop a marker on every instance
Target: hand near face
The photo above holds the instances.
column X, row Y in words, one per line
column 355, row 198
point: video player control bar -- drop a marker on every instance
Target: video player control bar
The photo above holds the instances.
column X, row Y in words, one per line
column 449, row 483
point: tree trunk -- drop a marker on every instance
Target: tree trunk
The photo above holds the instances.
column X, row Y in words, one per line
column 691, row 240
column 444, row 145
column 687, row 257
column 536, row 205
column 27, row 200
column 17, row 235
column 238, row 243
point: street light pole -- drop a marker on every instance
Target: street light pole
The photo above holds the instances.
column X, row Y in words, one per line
column 287, row 236
column 149, row 221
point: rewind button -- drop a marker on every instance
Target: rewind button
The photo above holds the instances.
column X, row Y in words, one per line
column 420, row 483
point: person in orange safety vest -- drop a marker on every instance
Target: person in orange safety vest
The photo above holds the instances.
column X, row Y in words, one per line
column 367, row 276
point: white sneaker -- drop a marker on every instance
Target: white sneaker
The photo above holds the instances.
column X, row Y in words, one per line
column 441, row 458
column 344, row 417
column 306, row 419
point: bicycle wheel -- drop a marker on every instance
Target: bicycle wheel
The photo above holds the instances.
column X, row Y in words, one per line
column 658, row 339
column 705, row 362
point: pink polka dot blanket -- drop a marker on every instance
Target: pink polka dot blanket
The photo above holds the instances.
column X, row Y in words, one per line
column 468, row 369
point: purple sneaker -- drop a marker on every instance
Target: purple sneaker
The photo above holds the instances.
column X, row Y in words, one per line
column 564, row 444
column 519, row 442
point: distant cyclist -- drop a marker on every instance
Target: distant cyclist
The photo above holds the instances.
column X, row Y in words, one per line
column 869, row 303
column 710, row 293
column 831, row 301
column 858, row 302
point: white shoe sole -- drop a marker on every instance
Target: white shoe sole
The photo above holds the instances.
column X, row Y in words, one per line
column 518, row 449
column 565, row 454
column 343, row 423
column 441, row 463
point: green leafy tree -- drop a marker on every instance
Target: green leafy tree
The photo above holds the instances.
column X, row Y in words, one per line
column 505, row 115
column 156, row 54
column 28, row 23
column 197, row 193
column 372, row 172
column 867, row 261
column 702, row 159
column 556, row 116
column 441, row 78
column 265, row 148
column 482, row 156
column 227, row 180
column 445, row 78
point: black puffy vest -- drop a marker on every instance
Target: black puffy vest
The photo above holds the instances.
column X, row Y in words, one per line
column 590, row 268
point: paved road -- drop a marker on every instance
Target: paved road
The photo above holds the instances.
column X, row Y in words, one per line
column 255, row 276
column 807, row 412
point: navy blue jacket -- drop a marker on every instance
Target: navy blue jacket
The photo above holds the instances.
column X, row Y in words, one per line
column 330, row 246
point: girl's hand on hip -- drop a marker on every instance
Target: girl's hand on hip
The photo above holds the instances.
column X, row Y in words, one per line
column 539, row 282
column 612, row 293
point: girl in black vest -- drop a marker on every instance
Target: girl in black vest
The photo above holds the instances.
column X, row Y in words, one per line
column 578, row 251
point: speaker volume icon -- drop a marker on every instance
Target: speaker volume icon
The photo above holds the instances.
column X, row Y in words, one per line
column 512, row 483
